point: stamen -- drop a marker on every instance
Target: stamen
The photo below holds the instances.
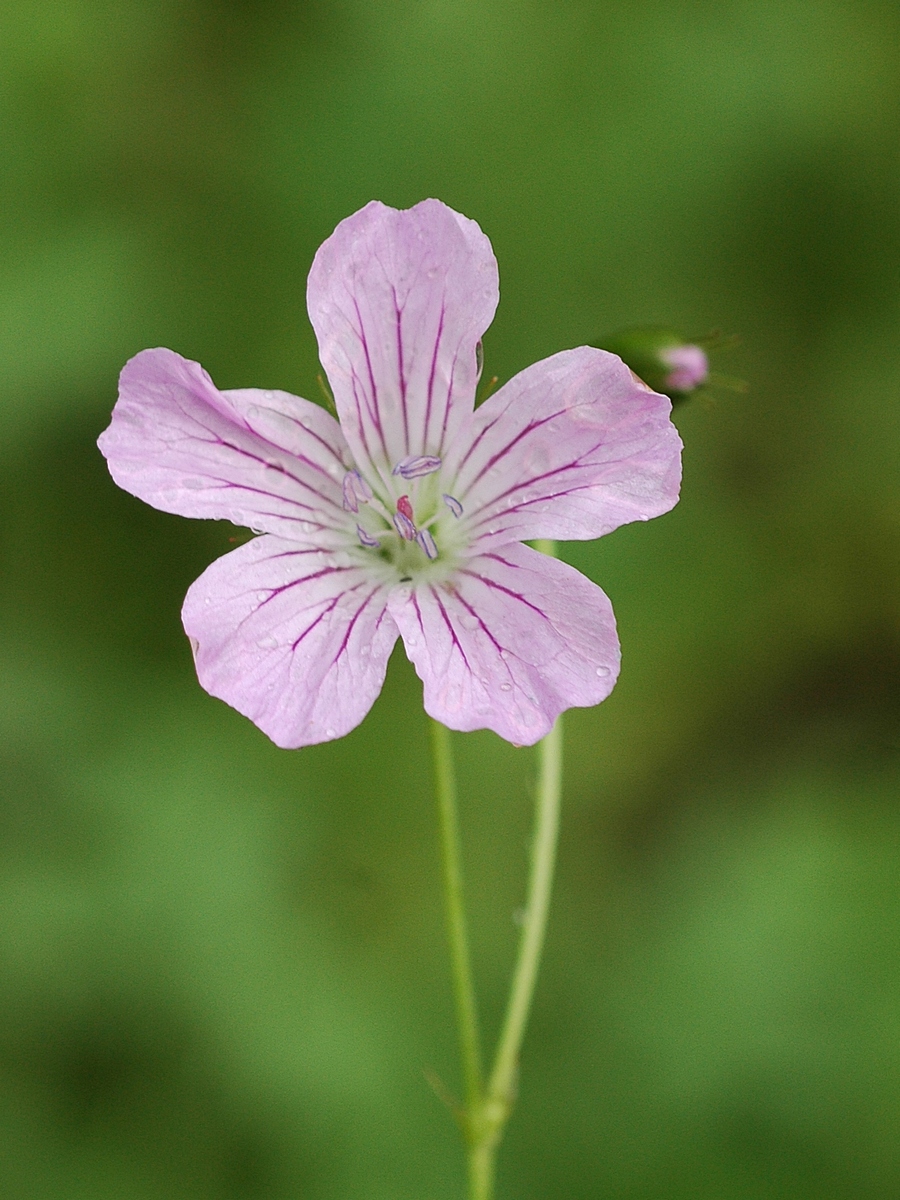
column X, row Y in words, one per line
column 416, row 466
column 404, row 506
column 404, row 526
column 454, row 505
column 350, row 501
column 356, row 491
column 366, row 538
column 426, row 542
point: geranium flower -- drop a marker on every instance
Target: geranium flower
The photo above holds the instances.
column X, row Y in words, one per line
column 408, row 517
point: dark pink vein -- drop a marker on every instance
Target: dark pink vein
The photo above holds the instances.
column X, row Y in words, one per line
column 431, row 377
column 398, row 318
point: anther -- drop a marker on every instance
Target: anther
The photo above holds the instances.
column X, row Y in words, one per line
column 417, row 465
column 366, row 538
column 404, row 506
column 404, row 526
column 454, row 505
column 356, row 491
column 426, row 543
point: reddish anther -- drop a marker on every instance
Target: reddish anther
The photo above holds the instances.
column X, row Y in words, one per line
column 404, row 506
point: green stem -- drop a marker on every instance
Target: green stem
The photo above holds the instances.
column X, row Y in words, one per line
column 501, row 1086
column 488, row 1109
column 455, row 914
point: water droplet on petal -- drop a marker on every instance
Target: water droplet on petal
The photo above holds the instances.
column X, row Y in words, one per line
column 269, row 395
column 268, row 643
column 411, row 642
column 603, row 672
column 331, row 733
column 505, row 687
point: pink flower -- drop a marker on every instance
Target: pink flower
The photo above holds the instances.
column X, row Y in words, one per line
column 408, row 517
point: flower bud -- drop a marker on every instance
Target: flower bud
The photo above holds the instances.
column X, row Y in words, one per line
column 661, row 358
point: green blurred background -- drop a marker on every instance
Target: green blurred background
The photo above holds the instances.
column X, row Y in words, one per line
column 222, row 966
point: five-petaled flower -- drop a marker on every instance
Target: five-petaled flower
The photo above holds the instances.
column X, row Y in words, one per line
column 408, row 517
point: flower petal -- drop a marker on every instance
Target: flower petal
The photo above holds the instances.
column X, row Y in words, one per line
column 268, row 460
column 297, row 639
column 399, row 301
column 570, row 448
column 508, row 643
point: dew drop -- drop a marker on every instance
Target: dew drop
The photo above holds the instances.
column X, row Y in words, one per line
column 468, row 621
column 411, row 642
column 331, row 733
column 268, row 643
column 603, row 672
column 505, row 687
column 269, row 395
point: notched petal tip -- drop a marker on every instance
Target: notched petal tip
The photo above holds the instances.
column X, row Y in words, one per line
column 399, row 300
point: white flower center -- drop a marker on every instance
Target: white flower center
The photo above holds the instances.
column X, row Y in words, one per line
column 415, row 532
